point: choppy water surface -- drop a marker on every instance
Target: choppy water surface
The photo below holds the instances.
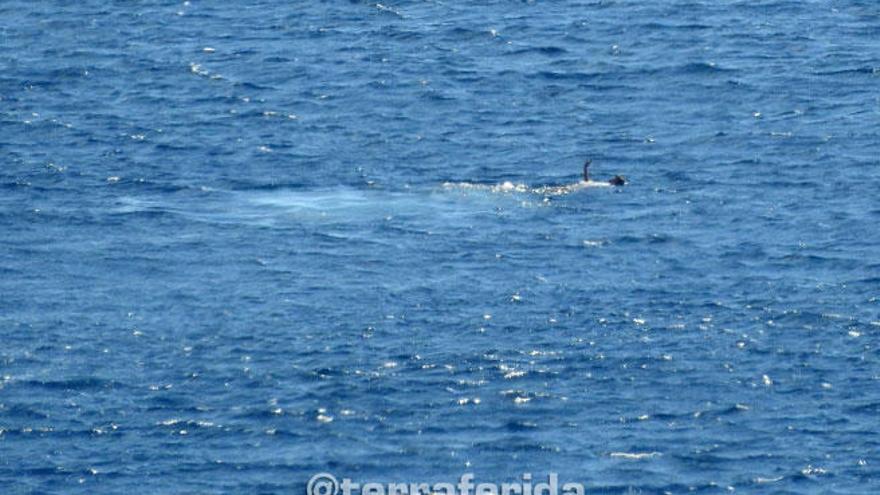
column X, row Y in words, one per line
column 242, row 244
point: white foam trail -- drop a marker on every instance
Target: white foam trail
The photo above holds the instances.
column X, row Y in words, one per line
column 429, row 209
column 350, row 205
column 511, row 187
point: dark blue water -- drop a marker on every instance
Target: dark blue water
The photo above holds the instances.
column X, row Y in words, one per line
column 243, row 243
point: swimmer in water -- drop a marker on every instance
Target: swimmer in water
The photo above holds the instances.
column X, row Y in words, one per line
column 617, row 180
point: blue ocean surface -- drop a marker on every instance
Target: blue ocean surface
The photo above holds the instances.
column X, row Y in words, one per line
column 242, row 243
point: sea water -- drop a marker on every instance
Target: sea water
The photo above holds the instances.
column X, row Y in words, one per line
column 247, row 242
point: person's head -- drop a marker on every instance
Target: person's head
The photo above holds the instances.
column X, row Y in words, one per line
column 617, row 180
